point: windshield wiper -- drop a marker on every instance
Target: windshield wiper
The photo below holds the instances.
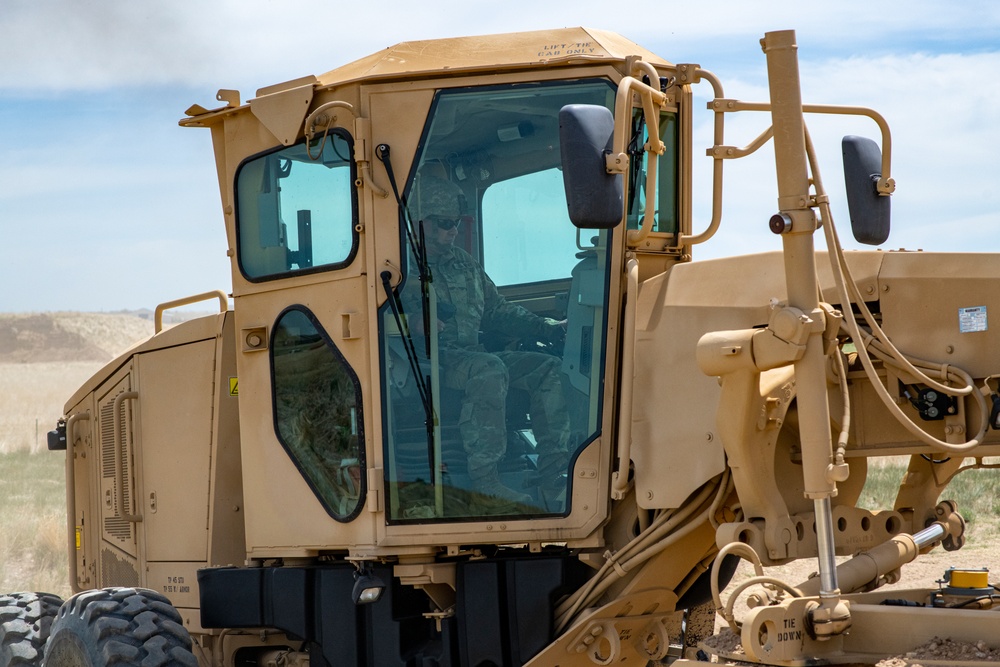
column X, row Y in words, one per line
column 396, row 306
column 414, row 238
column 417, row 243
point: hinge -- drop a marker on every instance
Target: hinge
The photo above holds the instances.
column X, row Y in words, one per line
column 374, row 490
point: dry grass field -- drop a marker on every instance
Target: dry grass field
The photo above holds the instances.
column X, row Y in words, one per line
column 44, row 357
column 33, row 523
column 32, row 397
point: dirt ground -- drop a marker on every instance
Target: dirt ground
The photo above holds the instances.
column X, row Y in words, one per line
column 925, row 572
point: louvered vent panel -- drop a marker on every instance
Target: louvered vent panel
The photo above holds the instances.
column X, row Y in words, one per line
column 116, row 528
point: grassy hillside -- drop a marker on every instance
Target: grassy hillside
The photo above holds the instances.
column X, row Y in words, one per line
column 45, row 357
column 41, row 337
column 32, row 397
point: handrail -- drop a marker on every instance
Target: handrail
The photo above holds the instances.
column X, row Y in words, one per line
column 719, row 152
column 619, row 479
column 119, row 471
column 718, row 134
column 618, row 160
column 214, row 294
column 71, row 497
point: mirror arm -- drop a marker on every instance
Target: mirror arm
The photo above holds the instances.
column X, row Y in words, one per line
column 886, row 185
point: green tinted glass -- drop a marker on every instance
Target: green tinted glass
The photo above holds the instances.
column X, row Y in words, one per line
column 317, row 412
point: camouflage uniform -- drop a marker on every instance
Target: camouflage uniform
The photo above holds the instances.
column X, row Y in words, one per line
column 485, row 377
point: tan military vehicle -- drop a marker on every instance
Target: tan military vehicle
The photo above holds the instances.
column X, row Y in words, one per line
column 475, row 404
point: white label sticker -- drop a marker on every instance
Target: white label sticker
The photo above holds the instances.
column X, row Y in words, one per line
column 972, row 319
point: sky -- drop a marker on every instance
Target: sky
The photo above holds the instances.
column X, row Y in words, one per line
column 106, row 204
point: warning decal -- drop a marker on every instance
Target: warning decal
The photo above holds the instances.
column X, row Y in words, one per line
column 234, row 387
column 972, row 319
column 572, row 49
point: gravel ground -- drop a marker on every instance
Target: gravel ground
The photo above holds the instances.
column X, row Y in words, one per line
column 923, row 573
column 935, row 653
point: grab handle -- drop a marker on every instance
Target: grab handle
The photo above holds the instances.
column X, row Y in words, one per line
column 119, row 471
column 214, row 294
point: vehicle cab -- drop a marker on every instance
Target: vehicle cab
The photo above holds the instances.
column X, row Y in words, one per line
column 349, row 416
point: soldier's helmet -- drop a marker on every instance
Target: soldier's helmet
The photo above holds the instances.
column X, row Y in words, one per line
column 438, row 197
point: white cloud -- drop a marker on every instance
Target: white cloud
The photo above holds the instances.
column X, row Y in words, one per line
column 59, row 44
column 938, row 107
column 97, row 162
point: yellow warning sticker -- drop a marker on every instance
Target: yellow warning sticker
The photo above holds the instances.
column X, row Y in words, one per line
column 78, row 538
column 234, row 387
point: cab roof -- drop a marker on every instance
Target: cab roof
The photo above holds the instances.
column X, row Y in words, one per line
column 434, row 57
column 490, row 52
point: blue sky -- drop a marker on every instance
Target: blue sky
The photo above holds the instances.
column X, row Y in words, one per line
column 106, row 204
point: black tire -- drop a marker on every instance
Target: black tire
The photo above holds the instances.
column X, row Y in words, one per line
column 119, row 626
column 25, row 620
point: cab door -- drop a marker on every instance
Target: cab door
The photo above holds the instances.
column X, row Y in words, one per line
column 301, row 294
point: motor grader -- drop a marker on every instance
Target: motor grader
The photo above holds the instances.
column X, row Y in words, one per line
column 290, row 482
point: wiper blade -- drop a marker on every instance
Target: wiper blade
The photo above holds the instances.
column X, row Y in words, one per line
column 414, row 237
column 418, row 245
column 422, row 381
column 396, row 306
column 415, row 240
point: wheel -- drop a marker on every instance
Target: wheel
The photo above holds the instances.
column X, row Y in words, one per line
column 119, row 626
column 25, row 619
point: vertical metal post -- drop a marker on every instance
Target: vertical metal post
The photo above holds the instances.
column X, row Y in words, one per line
column 803, row 289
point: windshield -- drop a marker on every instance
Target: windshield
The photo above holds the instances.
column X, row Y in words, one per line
column 492, row 359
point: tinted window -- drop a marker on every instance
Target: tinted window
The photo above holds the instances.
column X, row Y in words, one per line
column 666, row 215
column 525, row 223
column 296, row 209
column 317, row 412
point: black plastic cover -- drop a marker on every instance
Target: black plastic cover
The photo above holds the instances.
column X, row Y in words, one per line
column 869, row 210
column 504, row 610
column 594, row 197
column 57, row 438
column 505, row 607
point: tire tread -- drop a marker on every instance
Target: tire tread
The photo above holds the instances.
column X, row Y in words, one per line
column 123, row 626
column 25, row 622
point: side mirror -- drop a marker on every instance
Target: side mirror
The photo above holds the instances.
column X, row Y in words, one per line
column 57, row 438
column 594, row 197
column 868, row 208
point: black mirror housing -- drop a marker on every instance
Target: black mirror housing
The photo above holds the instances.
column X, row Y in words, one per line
column 594, row 197
column 57, row 437
column 869, row 209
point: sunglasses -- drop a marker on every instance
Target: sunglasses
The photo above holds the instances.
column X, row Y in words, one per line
column 445, row 223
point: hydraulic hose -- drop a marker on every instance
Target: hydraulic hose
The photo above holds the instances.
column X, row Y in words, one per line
column 842, row 278
column 664, row 531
